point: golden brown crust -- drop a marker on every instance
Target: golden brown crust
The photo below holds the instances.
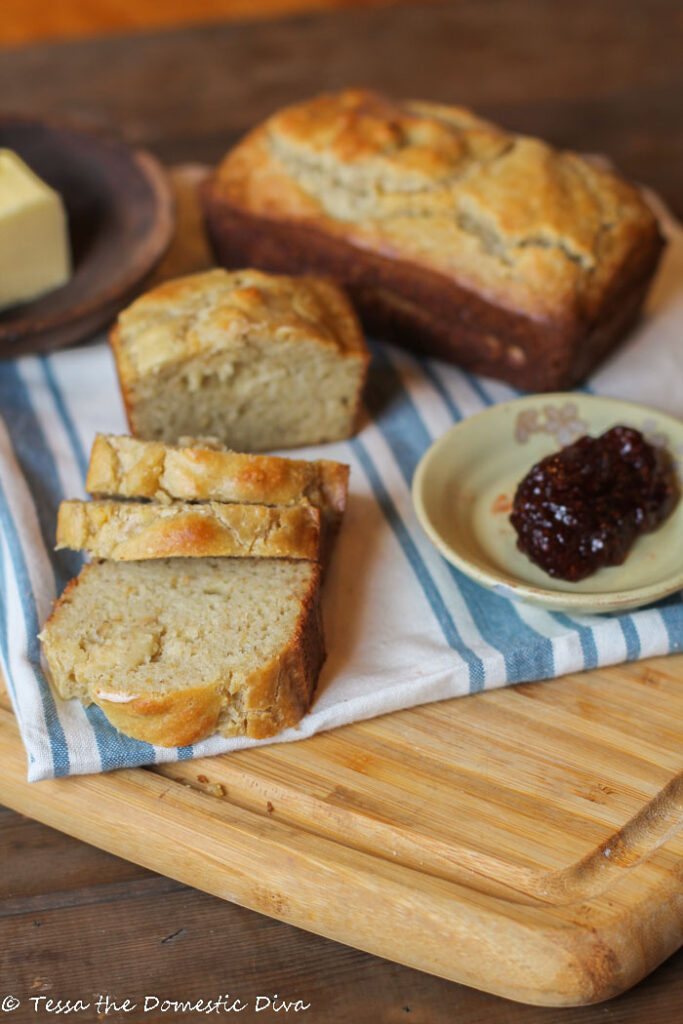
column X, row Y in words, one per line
column 174, row 719
column 270, row 698
column 527, row 226
column 126, row 467
column 133, row 531
column 452, row 235
column 117, row 350
column 280, row 693
column 214, row 311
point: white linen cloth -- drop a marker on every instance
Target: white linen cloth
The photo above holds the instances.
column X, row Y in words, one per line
column 402, row 626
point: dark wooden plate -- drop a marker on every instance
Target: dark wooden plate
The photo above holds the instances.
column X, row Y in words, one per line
column 120, row 214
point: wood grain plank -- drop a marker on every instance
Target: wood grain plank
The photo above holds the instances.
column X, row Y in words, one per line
column 72, row 867
column 189, row 945
column 24, row 22
column 590, row 82
column 490, row 769
column 565, row 951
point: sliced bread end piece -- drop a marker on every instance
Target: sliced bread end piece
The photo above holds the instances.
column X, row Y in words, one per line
column 175, row 650
column 126, row 467
column 133, row 531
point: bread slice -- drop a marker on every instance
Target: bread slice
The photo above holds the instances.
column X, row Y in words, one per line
column 257, row 360
column 126, row 467
column 177, row 649
column 130, row 531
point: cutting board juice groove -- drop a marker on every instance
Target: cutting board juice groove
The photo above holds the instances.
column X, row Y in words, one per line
column 526, row 841
column 531, row 798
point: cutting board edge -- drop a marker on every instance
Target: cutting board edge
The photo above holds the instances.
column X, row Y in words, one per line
column 565, row 963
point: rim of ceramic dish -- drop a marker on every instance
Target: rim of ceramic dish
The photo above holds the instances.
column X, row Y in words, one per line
column 505, row 584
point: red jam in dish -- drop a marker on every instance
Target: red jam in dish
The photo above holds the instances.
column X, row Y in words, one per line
column 582, row 508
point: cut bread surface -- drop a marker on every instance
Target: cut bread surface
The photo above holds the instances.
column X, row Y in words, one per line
column 259, row 361
column 174, row 650
column 125, row 530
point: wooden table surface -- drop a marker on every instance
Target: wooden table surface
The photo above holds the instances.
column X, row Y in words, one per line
column 76, row 922
column 28, row 21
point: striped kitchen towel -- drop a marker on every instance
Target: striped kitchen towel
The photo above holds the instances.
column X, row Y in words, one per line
column 402, row 626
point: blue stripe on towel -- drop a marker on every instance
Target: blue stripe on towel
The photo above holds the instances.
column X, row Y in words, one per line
column 416, row 562
column 525, row 651
column 34, row 456
column 443, row 392
column 4, row 623
column 64, row 415
column 58, row 747
column 671, row 611
column 115, row 749
column 586, row 638
column 479, row 389
column 630, row 636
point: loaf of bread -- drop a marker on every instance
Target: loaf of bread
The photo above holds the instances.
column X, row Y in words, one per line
column 126, row 467
column 135, row 530
column 175, row 650
column 256, row 360
column 453, row 237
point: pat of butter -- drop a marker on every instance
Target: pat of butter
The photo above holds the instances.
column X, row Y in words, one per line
column 34, row 246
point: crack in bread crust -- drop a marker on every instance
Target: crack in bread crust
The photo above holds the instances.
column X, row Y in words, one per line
column 453, row 237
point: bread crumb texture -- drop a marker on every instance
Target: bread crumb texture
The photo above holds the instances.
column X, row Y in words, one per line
column 256, row 360
column 175, row 650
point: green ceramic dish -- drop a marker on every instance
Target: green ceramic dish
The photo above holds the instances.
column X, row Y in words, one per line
column 464, row 486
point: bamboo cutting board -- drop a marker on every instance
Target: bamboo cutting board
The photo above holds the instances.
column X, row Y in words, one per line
column 525, row 841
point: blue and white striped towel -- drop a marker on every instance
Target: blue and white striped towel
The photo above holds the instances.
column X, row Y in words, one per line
column 402, row 626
